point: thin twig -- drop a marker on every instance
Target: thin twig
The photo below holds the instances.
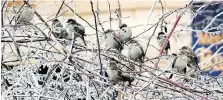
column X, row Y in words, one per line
column 109, row 11
column 2, row 17
column 26, row 40
column 60, row 8
column 150, row 14
column 17, row 13
column 95, row 20
column 119, row 13
column 99, row 21
column 154, row 31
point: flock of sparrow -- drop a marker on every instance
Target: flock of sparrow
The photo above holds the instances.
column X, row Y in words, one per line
column 185, row 62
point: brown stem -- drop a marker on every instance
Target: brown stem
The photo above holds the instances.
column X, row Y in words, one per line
column 168, row 37
column 95, row 20
column 25, row 40
column 150, row 38
column 120, row 13
column 3, row 49
column 60, row 8
column 2, row 19
column 99, row 21
column 187, row 89
column 109, row 10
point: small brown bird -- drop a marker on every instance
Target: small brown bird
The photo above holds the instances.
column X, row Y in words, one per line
column 113, row 42
column 135, row 50
column 57, row 29
column 161, row 39
column 26, row 14
column 125, row 33
column 185, row 60
column 76, row 30
column 115, row 75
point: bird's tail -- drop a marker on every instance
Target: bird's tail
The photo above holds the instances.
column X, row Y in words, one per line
column 127, row 78
column 141, row 61
column 166, row 51
column 171, row 76
column 82, row 37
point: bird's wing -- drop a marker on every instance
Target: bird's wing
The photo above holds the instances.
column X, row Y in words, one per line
column 168, row 45
column 124, row 77
column 174, row 62
column 119, row 73
column 58, row 24
column 80, row 29
column 118, row 41
column 20, row 13
column 195, row 58
column 106, row 74
column 165, row 29
column 184, row 71
column 141, row 48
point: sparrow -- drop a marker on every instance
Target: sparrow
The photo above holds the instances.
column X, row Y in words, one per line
column 113, row 42
column 193, row 60
column 185, row 62
column 125, row 33
column 75, row 30
column 57, row 29
column 161, row 39
column 115, row 75
column 135, row 50
column 26, row 14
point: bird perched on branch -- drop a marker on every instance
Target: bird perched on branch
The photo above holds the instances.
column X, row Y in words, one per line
column 185, row 60
column 26, row 14
column 113, row 42
column 161, row 39
column 58, row 30
column 135, row 50
column 75, row 30
column 115, row 75
column 125, row 33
